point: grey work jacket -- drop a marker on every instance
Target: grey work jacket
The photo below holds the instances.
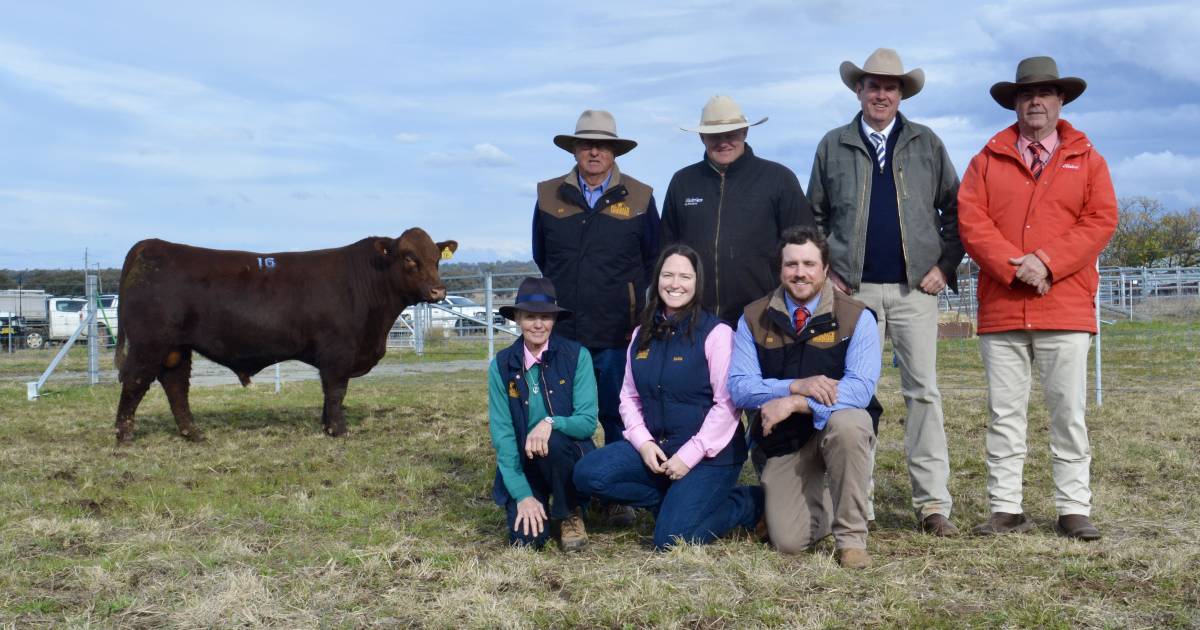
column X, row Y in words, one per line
column 926, row 195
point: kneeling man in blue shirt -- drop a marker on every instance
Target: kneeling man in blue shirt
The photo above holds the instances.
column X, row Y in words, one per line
column 805, row 363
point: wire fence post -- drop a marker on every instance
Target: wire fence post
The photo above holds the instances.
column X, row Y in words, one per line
column 491, row 318
column 93, row 300
column 277, row 378
column 1099, row 364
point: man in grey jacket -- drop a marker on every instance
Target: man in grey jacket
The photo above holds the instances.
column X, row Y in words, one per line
column 884, row 192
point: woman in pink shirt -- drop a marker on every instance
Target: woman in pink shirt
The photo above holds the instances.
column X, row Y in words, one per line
column 684, row 446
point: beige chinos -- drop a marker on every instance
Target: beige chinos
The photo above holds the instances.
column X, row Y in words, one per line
column 910, row 316
column 801, row 508
column 1061, row 359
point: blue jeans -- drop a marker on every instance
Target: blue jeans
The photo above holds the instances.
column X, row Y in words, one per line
column 551, row 479
column 609, row 364
column 703, row 506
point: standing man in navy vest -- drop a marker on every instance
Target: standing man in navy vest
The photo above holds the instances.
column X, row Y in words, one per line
column 885, row 194
column 595, row 236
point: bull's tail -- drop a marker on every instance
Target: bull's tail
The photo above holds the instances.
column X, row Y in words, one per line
column 119, row 355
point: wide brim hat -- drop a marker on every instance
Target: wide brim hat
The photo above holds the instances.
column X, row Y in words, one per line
column 721, row 114
column 535, row 295
column 884, row 62
column 1037, row 71
column 596, row 125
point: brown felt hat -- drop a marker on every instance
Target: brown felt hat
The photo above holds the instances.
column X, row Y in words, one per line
column 1037, row 71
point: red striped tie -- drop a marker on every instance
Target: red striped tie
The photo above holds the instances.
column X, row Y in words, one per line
column 801, row 318
column 1035, row 151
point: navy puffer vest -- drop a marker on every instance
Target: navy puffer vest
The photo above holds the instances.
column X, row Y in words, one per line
column 672, row 380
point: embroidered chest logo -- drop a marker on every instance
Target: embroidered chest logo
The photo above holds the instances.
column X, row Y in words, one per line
column 677, row 359
column 562, row 381
column 693, row 201
column 1071, row 167
column 643, row 354
column 620, row 209
column 560, row 211
column 512, row 390
column 828, row 337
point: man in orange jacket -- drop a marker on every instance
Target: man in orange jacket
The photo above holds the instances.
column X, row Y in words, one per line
column 1035, row 209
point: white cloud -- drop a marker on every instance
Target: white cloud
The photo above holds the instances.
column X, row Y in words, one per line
column 406, row 138
column 484, row 155
column 1164, row 175
column 215, row 165
column 53, row 199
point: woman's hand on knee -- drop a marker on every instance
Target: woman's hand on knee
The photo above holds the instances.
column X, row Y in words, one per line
column 675, row 468
column 537, row 444
column 652, row 456
column 531, row 517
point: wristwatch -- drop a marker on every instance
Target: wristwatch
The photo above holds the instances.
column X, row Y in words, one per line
column 549, row 420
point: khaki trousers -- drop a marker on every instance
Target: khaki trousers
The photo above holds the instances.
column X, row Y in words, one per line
column 910, row 316
column 801, row 508
column 1061, row 359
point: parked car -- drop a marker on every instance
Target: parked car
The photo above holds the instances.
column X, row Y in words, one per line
column 453, row 312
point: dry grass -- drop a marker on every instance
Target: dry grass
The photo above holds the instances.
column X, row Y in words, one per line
column 269, row 523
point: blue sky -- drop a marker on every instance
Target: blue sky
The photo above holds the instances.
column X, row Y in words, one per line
column 302, row 125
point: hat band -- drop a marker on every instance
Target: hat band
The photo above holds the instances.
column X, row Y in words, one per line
column 1037, row 78
column 536, row 297
column 596, row 131
column 724, row 121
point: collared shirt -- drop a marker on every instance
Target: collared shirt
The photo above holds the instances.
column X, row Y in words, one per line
column 592, row 195
column 868, row 129
column 1049, row 143
column 531, row 358
column 750, row 390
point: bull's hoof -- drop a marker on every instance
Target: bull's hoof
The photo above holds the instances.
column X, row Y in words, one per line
column 336, row 432
column 124, row 440
column 193, row 435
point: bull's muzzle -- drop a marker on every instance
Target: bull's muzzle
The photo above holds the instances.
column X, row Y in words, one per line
column 437, row 294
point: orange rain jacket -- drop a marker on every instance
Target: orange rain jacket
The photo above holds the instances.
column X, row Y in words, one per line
column 1066, row 218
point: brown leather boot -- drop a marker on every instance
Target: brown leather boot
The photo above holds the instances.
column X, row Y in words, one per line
column 1076, row 526
column 853, row 558
column 573, row 535
column 938, row 525
column 1004, row 523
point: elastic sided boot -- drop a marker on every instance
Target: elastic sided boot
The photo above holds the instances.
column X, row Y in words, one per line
column 853, row 558
column 1004, row 523
column 1076, row 526
column 938, row 525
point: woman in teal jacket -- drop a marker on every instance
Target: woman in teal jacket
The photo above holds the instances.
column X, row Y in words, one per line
column 541, row 414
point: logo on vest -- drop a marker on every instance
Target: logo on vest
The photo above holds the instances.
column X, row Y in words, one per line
column 828, row 337
column 677, row 359
column 1071, row 167
column 562, row 381
column 693, row 201
column 620, row 209
column 643, row 354
column 512, row 390
column 560, row 211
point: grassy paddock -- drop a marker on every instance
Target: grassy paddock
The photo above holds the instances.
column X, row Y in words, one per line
column 271, row 523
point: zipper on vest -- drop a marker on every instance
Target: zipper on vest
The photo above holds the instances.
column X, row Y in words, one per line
column 898, row 173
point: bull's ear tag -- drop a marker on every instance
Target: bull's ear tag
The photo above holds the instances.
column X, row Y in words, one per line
column 447, row 254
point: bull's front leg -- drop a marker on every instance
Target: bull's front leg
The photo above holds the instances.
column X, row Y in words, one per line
column 333, row 416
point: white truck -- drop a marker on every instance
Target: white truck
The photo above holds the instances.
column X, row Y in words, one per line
column 47, row 318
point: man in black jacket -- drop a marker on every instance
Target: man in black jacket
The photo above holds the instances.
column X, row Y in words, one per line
column 731, row 207
column 595, row 236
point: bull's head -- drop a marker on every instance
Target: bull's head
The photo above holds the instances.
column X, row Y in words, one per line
column 412, row 265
